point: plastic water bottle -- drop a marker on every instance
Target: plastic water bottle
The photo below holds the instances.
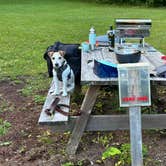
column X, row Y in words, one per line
column 92, row 38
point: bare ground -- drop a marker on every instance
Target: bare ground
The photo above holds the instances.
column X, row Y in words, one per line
column 34, row 145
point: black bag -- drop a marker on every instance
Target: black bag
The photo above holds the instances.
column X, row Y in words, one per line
column 72, row 55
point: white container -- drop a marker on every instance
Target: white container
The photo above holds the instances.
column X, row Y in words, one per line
column 134, row 84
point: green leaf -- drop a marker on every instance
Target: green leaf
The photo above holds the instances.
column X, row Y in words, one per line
column 5, row 143
column 68, row 164
column 111, row 151
column 6, row 124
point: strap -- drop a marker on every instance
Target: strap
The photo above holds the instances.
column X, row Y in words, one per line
column 47, row 111
column 52, row 107
column 55, row 103
column 57, row 107
column 60, row 71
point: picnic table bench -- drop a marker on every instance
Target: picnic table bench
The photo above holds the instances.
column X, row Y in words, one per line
column 88, row 122
column 57, row 117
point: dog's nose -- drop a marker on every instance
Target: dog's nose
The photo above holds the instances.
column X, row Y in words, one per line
column 56, row 64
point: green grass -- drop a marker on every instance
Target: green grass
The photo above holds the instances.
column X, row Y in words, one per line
column 28, row 27
column 4, row 126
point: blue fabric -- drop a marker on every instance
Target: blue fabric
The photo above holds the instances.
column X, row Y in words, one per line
column 103, row 38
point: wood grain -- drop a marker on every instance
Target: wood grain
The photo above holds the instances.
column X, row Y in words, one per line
column 86, row 108
column 136, row 136
column 112, row 122
column 149, row 55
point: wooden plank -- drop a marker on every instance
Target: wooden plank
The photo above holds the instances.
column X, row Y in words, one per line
column 57, row 117
column 135, row 120
column 152, row 70
column 86, row 108
column 136, row 136
column 113, row 122
column 152, row 58
column 155, row 58
column 87, row 67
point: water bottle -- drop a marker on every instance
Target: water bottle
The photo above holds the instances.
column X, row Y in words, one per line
column 111, row 37
column 92, row 38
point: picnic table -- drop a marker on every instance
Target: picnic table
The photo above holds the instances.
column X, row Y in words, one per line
column 88, row 122
column 111, row 122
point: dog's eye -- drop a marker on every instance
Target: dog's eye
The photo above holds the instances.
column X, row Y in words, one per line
column 60, row 57
column 53, row 58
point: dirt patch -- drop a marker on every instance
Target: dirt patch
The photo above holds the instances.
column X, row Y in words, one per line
column 34, row 145
column 23, row 115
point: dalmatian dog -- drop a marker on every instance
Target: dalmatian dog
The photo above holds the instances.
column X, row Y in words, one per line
column 62, row 72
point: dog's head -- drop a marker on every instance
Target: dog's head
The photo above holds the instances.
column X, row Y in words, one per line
column 57, row 59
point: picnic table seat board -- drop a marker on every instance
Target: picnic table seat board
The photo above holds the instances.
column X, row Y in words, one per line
column 57, row 117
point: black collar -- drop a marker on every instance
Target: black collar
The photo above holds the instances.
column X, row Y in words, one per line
column 62, row 68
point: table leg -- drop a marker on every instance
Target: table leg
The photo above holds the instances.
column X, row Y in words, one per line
column 136, row 136
column 86, row 108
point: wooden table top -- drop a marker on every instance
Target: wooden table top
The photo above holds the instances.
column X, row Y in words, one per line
column 148, row 55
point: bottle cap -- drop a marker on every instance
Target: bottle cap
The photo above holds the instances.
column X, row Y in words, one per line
column 92, row 30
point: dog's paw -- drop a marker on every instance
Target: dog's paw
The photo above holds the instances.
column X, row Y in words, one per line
column 55, row 93
column 70, row 89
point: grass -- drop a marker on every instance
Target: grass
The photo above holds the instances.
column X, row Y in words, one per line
column 4, row 126
column 28, row 27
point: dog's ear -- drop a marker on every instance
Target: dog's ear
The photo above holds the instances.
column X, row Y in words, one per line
column 50, row 53
column 62, row 53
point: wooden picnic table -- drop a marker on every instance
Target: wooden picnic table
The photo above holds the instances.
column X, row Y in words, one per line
column 110, row 122
column 88, row 122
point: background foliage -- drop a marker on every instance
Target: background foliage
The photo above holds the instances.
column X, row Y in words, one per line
column 136, row 2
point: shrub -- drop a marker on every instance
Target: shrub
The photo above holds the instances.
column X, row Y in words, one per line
column 154, row 3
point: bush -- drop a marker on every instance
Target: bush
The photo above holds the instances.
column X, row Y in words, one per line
column 156, row 2
column 135, row 2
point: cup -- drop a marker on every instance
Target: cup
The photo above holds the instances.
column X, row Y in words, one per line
column 85, row 46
